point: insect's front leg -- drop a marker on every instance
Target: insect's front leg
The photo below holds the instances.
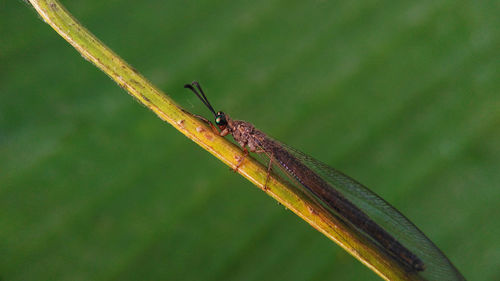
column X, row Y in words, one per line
column 205, row 120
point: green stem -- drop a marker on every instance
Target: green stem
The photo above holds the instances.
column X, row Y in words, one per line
column 137, row 86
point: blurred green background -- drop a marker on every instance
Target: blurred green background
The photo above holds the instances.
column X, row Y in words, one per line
column 401, row 95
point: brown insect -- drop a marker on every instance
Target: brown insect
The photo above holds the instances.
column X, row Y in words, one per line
column 338, row 193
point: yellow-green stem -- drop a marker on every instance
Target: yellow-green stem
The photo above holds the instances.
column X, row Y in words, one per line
column 136, row 85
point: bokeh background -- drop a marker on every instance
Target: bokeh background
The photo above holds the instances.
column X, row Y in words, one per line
column 401, row 95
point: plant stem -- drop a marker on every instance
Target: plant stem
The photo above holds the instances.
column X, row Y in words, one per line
column 142, row 90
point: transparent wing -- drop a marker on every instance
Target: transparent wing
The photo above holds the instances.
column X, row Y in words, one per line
column 438, row 267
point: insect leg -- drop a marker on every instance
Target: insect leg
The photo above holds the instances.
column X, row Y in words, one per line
column 240, row 161
column 269, row 167
column 203, row 119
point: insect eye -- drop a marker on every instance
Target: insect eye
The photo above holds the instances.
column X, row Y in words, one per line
column 220, row 119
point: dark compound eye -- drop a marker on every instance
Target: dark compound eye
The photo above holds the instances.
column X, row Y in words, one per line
column 220, row 119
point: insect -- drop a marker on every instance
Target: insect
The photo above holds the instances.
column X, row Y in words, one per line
column 342, row 195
